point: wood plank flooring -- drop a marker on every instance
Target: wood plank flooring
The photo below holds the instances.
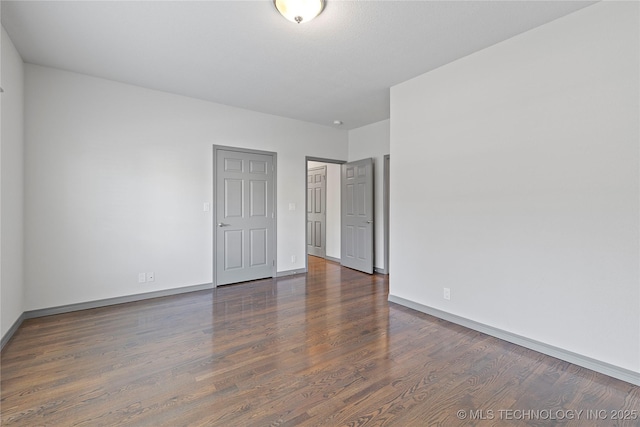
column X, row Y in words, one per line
column 322, row 349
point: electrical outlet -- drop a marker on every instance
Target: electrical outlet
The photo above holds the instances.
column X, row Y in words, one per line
column 142, row 277
column 151, row 277
column 447, row 294
column 293, row 259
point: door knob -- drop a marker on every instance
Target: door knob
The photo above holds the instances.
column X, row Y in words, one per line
column 221, row 224
column 370, row 221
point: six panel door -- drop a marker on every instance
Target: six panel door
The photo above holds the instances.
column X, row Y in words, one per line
column 244, row 223
column 316, row 211
column 357, row 215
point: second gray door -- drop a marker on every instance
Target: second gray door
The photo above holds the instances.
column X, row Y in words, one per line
column 316, row 211
column 357, row 215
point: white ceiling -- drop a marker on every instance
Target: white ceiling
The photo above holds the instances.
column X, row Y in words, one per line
column 244, row 54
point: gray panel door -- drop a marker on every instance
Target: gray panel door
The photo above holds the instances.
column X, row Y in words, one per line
column 357, row 215
column 316, row 211
column 245, row 218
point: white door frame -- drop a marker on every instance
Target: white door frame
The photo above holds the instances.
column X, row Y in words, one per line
column 274, row 240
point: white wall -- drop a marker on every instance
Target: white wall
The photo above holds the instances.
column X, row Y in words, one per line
column 373, row 141
column 11, row 185
column 333, row 207
column 116, row 178
column 515, row 182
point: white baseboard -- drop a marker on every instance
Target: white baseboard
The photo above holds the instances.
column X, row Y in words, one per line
column 559, row 353
column 291, row 272
column 98, row 303
column 12, row 330
column 112, row 301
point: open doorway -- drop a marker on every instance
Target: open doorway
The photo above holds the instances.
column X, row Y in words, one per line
column 322, row 201
column 334, row 223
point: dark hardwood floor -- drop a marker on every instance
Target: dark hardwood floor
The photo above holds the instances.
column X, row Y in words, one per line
column 322, row 349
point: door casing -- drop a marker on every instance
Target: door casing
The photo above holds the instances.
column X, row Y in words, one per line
column 386, row 204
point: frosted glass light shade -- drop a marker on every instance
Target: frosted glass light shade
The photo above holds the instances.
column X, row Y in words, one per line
column 299, row 10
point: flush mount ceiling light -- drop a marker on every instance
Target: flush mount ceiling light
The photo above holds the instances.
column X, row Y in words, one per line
column 299, row 10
